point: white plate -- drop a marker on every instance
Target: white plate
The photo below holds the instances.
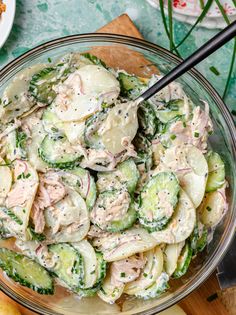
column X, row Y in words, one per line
column 6, row 20
column 188, row 11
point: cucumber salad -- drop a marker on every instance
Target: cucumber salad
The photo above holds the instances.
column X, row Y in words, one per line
column 99, row 196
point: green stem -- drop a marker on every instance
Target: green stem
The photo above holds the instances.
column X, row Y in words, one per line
column 170, row 24
column 231, row 67
column 200, row 18
column 161, row 2
column 202, row 4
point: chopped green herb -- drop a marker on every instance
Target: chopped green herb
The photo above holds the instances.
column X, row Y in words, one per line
column 16, row 97
column 122, row 274
column 208, row 208
column 196, row 134
column 214, row 70
column 145, row 275
column 5, row 103
column 184, row 124
column 49, row 59
column 92, row 272
column 173, row 137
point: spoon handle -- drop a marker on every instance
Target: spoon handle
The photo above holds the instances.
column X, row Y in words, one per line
column 204, row 51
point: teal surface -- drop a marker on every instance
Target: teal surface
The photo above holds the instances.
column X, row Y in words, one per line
column 38, row 21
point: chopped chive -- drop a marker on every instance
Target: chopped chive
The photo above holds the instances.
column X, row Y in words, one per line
column 173, row 137
column 214, row 70
column 145, row 275
column 122, row 274
column 212, row 297
column 196, row 134
column 184, row 124
column 208, row 208
column 49, row 59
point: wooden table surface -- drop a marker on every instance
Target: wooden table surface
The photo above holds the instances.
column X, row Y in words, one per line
column 196, row 303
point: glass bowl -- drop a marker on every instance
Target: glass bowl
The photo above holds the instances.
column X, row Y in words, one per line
column 142, row 58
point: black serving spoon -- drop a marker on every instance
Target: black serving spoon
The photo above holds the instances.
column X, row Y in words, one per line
column 203, row 52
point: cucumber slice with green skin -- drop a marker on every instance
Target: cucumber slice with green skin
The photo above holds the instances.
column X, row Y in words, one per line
column 126, row 174
column 147, row 119
column 171, row 255
column 105, row 203
column 130, row 85
column 156, row 289
column 183, row 261
column 42, row 83
column 53, row 125
column 91, row 137
column 171, row 110
column 57, row 152
column 15, row 98
column 216, row 168
column 198, row 238
column 181, row 224
column 117, row 246
column 100, row 274
column 213, row 208
column 90, row 262
column 26, row 271
column 110, row 292
column 69, row 267
column 151, row 271
column 95, row 60
column 191, row 168
column 82, row 182
column 153, row 215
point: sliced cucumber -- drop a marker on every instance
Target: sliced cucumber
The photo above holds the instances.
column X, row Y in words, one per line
column 100, row 274
column 172, row 109
column 26, row 271
column 198, row 238
column 15, row 99
column 125, row 244
column 82, row 182
column 42, row 83
column 155, row 211
column 191, row 168
column 151, row 271
column 19, row 214
column 57, row 152
column 95, row 60
column 51, row 123
column 156, row 289
column 69, row 217
column 147, row 119
column 90, row 262
column 105, row 216
column 216, row 168
column 110, row 292
column 171, row 255
column 91, row 137
column 69, row 266
column 213, row 208
column 181, row 224
column 183, row 261
column 130, row 85
column 120, row 127
column 126, row 174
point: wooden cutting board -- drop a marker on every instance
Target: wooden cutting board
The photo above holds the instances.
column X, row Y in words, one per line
column 196, row 303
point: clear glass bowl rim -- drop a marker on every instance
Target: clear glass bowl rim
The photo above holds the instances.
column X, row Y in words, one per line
column 148, row 46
